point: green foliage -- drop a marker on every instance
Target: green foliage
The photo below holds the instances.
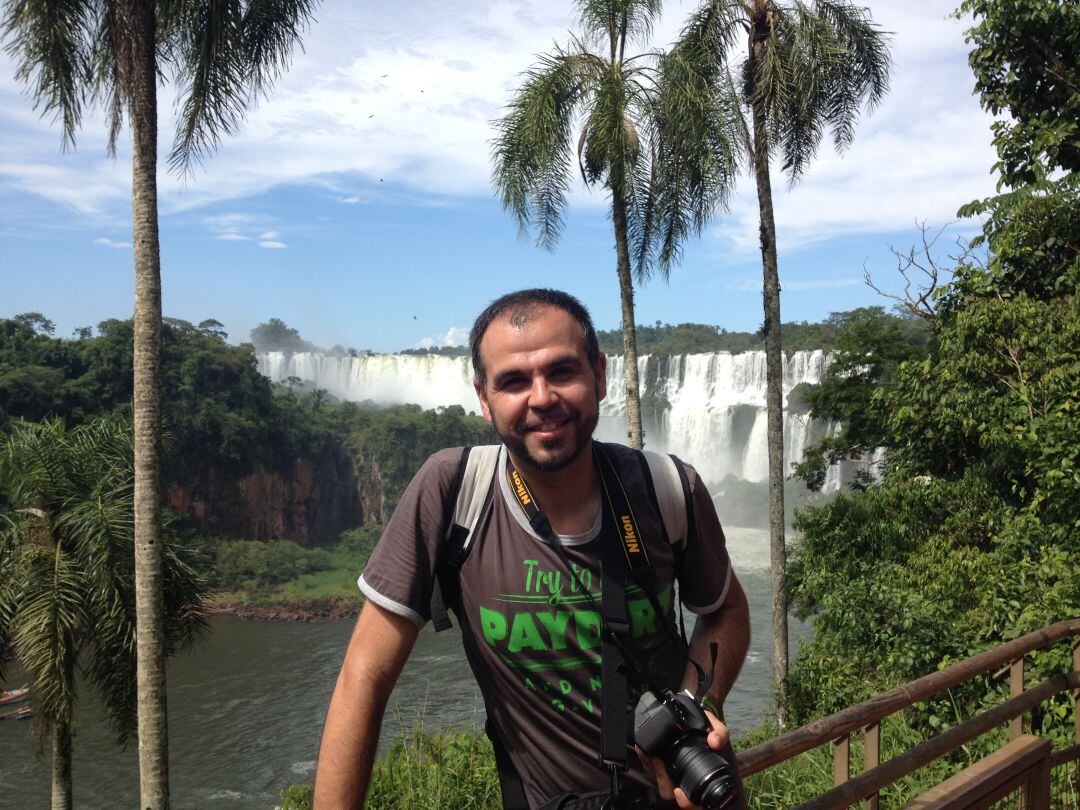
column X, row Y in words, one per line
column 79, row 55
column 296, row 797
column 67, row 588
column 244, row 564
column 1027, row 74
column 971, row 536
column 869, row 348
column 451, row 768
column 391, row 444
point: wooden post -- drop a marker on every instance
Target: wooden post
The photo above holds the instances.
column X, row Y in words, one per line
column 842, row 760
column 1076, row 692
column 872, row 757
column 1016, row 687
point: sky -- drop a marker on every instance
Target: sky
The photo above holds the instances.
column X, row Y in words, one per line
column 355, row 202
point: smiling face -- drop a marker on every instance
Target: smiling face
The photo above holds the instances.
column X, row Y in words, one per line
column 541, row 393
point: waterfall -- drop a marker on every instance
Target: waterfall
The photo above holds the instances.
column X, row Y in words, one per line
column 706, row 408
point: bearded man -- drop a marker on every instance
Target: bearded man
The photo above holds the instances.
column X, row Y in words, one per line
column 527, row 599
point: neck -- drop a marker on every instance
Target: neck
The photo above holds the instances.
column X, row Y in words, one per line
column 569, row 497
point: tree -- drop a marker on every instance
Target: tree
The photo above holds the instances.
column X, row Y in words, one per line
column 808, row 67
column 983, row 472
column 67, row 588
column 1024, row 59
column 221, row 55
column 631, row 110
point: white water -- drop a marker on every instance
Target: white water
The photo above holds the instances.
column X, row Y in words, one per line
column 706, row 408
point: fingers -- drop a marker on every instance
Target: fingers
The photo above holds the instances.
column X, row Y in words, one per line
column 719, row 736
column 658, row 771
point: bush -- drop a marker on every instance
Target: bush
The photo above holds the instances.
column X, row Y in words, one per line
column 249, row 563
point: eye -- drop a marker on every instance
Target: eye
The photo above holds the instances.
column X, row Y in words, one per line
column 512, row 383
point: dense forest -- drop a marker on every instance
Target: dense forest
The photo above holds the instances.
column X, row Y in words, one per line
column 235, row 441
column 968, row 533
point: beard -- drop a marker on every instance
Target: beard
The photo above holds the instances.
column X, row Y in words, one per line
column 554, row 454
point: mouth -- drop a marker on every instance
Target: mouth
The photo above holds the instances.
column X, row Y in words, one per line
column 548, row 426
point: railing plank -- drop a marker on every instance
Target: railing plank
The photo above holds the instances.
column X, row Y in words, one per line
column 1016, row 687
column 841, row 769
column 880, row 706
column 870, row 782
column 872, row 758
column 989, row 778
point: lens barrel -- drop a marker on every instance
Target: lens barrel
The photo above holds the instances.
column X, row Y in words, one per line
column 703, row 774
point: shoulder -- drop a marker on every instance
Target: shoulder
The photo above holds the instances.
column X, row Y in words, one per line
column 442, row 467
column 661, row 465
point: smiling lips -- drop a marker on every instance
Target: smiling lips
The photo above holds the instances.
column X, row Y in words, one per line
column 548, row 426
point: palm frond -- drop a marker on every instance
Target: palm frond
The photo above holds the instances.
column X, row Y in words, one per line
column 48, row 39
column 272, row 29
column 211, row 75
column 531, row 152
column 825, row 62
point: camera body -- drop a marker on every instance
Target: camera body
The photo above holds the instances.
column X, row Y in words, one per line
column 674, row 728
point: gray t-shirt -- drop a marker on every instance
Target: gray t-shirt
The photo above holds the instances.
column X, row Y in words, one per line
column 531, row 638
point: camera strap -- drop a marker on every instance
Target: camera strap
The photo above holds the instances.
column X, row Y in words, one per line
column 622, row 549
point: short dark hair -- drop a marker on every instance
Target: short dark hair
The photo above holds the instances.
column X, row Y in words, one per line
column 518, row 306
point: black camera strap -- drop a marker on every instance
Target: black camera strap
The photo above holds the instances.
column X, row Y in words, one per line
column 621, row 549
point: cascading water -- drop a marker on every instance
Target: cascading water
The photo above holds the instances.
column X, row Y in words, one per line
column 706, row 408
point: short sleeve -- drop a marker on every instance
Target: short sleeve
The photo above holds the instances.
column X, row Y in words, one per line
column 705, row 568
column 400, row 574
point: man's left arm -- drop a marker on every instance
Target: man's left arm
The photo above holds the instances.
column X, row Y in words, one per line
column 728, row 627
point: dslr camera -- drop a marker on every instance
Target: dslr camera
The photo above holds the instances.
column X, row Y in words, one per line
column 673, row 727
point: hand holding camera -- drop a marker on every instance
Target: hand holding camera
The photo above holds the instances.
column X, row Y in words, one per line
column 673, row 734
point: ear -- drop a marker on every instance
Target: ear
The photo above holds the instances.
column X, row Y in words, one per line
column 600, row 369
column 485, row 409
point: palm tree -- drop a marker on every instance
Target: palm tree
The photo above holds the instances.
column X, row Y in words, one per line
column 221, row 56
column 631, row 110
column 67, row 586
column 808, row 67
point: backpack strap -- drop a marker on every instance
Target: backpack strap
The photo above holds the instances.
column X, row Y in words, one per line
column 671, row 486
column 468, row 498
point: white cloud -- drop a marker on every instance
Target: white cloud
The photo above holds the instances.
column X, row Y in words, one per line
column 455, row 336
column 272, row 244
column 373, row 95
column 232, row 236
column 269, row 234
column 106, row 242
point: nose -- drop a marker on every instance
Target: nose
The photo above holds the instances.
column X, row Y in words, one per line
column 542, row 396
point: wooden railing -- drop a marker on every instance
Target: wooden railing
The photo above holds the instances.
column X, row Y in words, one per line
column 866, row 717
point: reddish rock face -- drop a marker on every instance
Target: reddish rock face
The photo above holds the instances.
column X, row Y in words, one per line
column 310, row 504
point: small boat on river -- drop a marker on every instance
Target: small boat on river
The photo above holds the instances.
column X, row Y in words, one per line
column 21, row 713
column 14, row 696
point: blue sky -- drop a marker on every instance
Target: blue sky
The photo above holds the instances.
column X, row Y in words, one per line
column 355, row 202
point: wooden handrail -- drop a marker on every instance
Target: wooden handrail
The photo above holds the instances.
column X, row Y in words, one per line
column 843, row 722
column 926, row 752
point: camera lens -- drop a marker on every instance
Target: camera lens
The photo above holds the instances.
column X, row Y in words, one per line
column 703, row 774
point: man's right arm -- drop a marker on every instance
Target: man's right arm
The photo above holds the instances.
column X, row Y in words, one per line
column 379, row 647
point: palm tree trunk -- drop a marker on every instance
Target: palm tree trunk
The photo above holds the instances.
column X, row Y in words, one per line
column 61, row 766
column 774, row 372
column 626, row 295
column 149, row 610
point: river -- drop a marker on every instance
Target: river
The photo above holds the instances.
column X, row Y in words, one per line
column 246, row 707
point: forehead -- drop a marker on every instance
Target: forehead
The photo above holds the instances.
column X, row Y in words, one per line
column 531, row 334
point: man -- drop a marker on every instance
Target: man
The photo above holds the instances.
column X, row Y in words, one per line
column 529, row 635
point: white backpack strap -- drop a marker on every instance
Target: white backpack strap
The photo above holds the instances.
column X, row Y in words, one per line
column 669, row 495
column 475, row 485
